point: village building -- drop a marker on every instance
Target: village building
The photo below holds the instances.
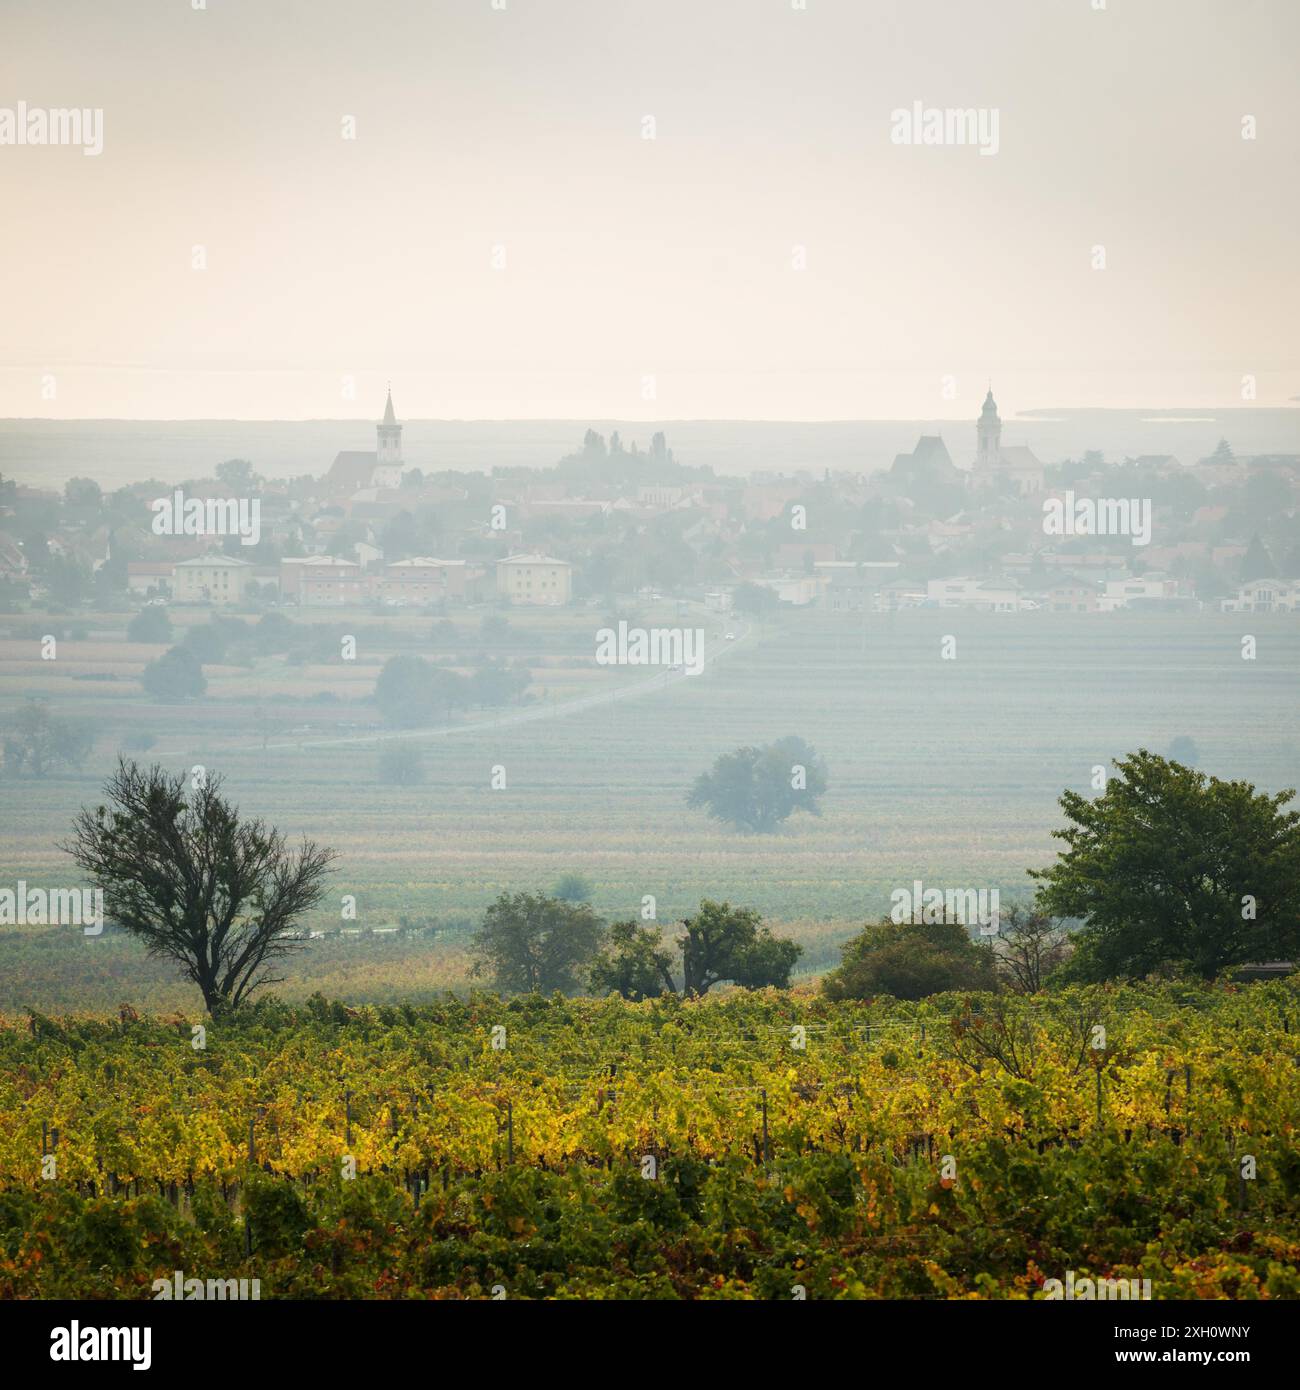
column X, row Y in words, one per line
column 150, row 577
column 212, row 578
column 1264, row 596
column 1139, row 591
column 851, row 585
column 1073, row 593
column 983, row 595
column 929, row 465
column 535, row 579
column 322, row 581
column 424, row 579
column 797, row 590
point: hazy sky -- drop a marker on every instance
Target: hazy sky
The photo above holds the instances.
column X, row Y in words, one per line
column 626, row 258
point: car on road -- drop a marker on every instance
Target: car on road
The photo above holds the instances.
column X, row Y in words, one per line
column 731, row 637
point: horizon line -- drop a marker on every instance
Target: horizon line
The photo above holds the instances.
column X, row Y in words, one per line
column 1204, row 413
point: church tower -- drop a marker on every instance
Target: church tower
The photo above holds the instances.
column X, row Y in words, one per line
column 389, row 451
column 989, row 432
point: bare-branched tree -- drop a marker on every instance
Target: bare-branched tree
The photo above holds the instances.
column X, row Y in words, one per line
column 1030, row 947
column 216, row 894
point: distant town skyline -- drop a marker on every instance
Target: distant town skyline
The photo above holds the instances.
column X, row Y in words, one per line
column 647, row 212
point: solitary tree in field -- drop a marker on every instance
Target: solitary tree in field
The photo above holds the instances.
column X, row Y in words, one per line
column 531, row 943
column 401, row 765
column 573, row 888
column 495, row 683
column 196, row 883
column 410, row 691
column 1172, row 869
column 405, row 690
column 37, row 740
column 757, row 788
column 150, row 625
column 176, row 675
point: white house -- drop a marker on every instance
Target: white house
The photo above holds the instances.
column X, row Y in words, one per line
column 983, row 595
column 1147, row 588
column 1265, row 596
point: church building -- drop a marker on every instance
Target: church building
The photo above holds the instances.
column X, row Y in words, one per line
column 354, row 470
column 997, row 464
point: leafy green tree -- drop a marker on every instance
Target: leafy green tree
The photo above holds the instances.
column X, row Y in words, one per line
column 1207, row 580
column 719, row 944
column 1257, row 563
column 341, row 543
column 530, row 943
column 82, row 498
column 176, row 675
column 402, row 538
column 722, row 942
column 910, row 960
column 238, row 476
column 405, row 690
column 1175, row 870
column 755, row 789
column 401, row 765
column 67, row 579
column 451, row 691
column 633, row 963
column 274, row 633
column 755, row 598
column 573, row 888
column 194, row 882
column 411, row 691
column 38, row 741
column 495, row 683
column 110, row 580
column 1183, row 750
column 150, row 624
column 209, row 641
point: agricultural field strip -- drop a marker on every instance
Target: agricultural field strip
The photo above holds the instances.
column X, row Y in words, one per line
column 687, row 1094
column 661, row 680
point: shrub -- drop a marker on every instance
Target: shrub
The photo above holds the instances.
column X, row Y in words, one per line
column 910, row 961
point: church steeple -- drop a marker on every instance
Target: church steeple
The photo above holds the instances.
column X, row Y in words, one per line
column 389, row 450
column 988, row 430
